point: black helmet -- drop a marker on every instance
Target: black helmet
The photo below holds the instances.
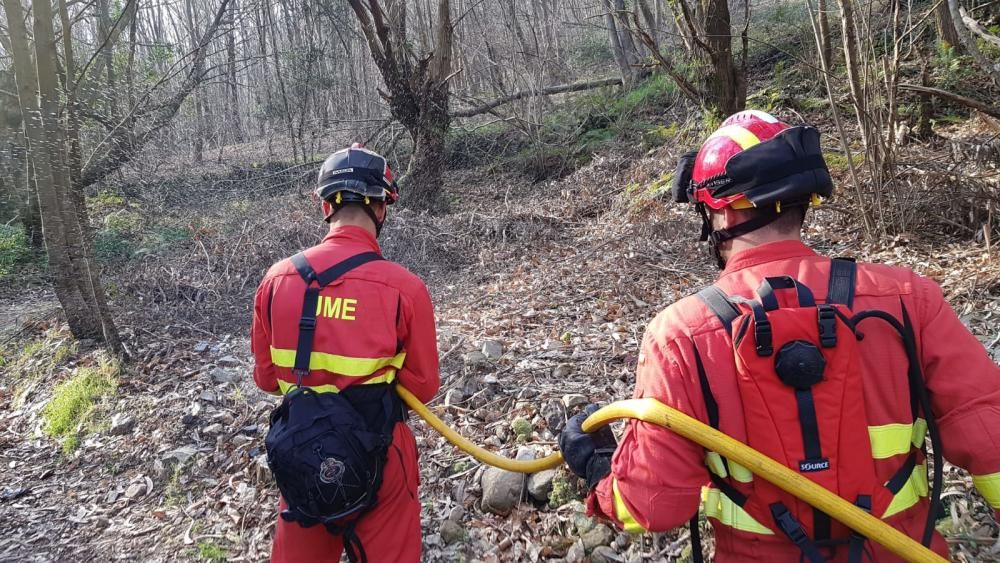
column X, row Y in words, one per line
column 356, row 174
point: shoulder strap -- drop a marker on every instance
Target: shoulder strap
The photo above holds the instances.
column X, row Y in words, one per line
column 718, row 302
column 307, row 323
column 843, row 274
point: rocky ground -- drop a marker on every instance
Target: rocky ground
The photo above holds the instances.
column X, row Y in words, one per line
column 540, row 303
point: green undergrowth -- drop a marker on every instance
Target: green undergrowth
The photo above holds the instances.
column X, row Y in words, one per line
column 28, row 363
column 15, row 251
column 74, row 411
column 211, row 551
column 569, row 135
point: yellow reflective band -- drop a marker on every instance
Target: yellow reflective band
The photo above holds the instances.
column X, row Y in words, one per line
column 716, row 505
column 742, row 137
column 989, row 487
column 286, row 387
column 740, row 473
column 622, row 514
column 893, row 439
column 388, row 377
column 715, row 465
column 915, row 487
column 340, row 365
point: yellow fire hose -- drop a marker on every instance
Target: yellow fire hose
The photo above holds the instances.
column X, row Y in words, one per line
column 655, row 412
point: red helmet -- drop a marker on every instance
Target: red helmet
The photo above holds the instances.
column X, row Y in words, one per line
column 754, row 160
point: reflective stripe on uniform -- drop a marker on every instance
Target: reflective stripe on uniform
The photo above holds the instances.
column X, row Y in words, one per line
column 716, row 505
column 915, row 487
column 388, row 377
column 715, row 464
column 340, row 365
column 740, row 473
column 629, row 523
column 894, row 439
column 989, row 487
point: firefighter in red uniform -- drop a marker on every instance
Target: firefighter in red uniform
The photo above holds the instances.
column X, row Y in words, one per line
column 373, row 325
column 752, row 210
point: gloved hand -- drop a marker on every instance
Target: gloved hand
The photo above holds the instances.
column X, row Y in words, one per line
column 587, row 454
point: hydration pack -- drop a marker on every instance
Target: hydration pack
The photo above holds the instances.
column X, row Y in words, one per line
column 327, row 451
column 802, row 393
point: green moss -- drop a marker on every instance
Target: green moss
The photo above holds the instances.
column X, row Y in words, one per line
column 210, row 551
column 837, row 162
column 37, row 359
column 71, row 412
column 562, row 492
column 521, row 427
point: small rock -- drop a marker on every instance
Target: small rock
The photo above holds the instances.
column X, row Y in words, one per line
column 475, row 359
column 13, row 494
column 180, row 455
column 240, row 440
column 583, row 523
column 622, row 541
column 604, row 554
column 574, row 400
column 598, row 535
column 121, row 424
column 501, row 490
column 456, row 514
column 451, row 532
column 555, row 415
column 562, row 371
column 491, row 379
column 135, row 490
column 213, row 429
column 453, row 397
column 201, row 347
column 207, row 395
column 195, row 408
column 492, row 349
column 112, row 496
column 225, row 418
column 228, row 361
column 188, row 419
column 250, row 430
column 576, row 553
column 540, row 484
column 220, row 375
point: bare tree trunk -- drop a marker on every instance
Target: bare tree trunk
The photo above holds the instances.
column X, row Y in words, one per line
column 726, row 85
column 235, row 124
column 946, row 27
column 622, row 46
column 65, row 242
column 826, row 40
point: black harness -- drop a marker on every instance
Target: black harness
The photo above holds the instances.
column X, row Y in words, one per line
column 327, row 451
column 841, row 291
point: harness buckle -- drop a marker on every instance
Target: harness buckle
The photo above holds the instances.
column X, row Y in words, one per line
column 762, row 335
column 789, row 525
column 307, row 323
column 827, row 326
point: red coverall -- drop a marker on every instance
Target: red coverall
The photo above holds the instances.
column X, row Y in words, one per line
column 657, row 477
column 355, row 343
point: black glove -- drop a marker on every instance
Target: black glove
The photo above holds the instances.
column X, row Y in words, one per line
column 587, row 454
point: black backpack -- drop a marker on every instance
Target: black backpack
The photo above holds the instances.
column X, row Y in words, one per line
column 327, row 451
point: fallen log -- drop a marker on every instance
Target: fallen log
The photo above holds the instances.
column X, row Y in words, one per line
column 560, row 89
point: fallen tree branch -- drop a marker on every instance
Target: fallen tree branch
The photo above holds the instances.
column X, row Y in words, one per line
column 992, row 111
column 562, row 88
column 974, row 27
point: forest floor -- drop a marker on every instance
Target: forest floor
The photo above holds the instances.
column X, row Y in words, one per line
column 541, row 292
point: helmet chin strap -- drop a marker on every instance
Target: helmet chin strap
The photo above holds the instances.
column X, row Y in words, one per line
column 715, row 238
column 368, row 210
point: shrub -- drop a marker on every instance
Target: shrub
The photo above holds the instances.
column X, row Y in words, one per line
column 111, row 245
column 209, row 551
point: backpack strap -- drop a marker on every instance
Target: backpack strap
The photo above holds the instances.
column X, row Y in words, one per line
column 718, row 302
column 307, row 323
column 796, row 533
column 843, row 278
